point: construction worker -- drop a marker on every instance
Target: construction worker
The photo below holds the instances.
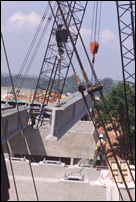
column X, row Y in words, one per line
column 100, row 151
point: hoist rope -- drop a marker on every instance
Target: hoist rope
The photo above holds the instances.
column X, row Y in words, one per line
column 90, row 115
column 94, row 100
column 53, row 69
column 113, row 125
column 95, row 104
column 99, row 21
column 92, row 69
column 110, row 145
column 9, row 152
column 22, row 130
column 92, row 23
column 95, row 31
column 95, row 21
column 31, row 46
column 35, row 51
column 103, row 125
column 105, row 102
column 96, row 13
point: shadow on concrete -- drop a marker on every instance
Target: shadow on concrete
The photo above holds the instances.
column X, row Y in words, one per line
column 33, row 141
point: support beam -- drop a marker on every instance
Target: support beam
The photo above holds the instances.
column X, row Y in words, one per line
column 64, row 117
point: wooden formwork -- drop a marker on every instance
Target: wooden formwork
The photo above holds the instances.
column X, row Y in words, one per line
column 116, row 172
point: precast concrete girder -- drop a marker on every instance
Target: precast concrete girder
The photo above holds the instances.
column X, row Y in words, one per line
column 64, row 117
column 10, row 124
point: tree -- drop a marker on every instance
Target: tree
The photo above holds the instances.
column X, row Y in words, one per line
column 115, row 101
column 107, row 84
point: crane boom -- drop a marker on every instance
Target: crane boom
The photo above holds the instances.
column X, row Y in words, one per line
column 127, row 48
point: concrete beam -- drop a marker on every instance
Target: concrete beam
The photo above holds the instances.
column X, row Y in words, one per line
column 64, row 117
column 73, row 144
column 51, row 185
column 11, row 124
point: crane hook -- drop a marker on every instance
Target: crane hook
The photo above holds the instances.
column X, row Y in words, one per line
column 94, row 49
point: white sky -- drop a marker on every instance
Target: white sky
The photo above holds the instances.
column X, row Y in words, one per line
column 19, row 20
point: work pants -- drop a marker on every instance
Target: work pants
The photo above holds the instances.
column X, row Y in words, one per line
column 101, row 153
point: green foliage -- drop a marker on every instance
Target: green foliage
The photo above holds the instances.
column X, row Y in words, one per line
column 5, row 81
column 30, row 82
column 70, row 84
column 107, row 84
column 116, row 101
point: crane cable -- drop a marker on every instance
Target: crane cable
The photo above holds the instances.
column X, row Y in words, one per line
column 77, row 79
column 96, row 14
column 103, row 98
column 92, row 74
column 31, row 46
column 22, row 130
column 71, row 41
column 93, row 63
column 9, row 152
column 34, row 54
column 90, row 115
column 95, row 22
column 35, row 51
column 99, row 22
column 100, row 116
column 94, row 100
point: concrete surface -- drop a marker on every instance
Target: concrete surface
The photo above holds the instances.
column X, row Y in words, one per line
column 64, row 117
column 11, row 124
column 51, row 185
column 73, row 144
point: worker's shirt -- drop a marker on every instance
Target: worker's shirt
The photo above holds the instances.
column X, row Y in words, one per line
column 101, row 144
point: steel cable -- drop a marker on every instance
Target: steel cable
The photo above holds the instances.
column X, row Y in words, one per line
column 103, row 99
column 31, row 46
column 85, row 101
column 70, row 57
column 9, row 152
column 35, row 51
column 22, row 130
column 96, row 21
column 99, row 22
column 92, row 22
column 51, row 80
column 105, row 102
column 94, row 100
column 103, row 125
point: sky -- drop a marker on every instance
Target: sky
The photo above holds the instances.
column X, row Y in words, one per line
column 20, row 19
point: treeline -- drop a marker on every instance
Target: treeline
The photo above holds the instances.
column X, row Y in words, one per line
column 70, row 84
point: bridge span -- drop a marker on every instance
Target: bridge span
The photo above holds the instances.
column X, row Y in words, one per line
column 74, row 138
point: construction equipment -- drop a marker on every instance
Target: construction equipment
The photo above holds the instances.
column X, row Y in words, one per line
column 57, row 61
column 94, row 46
